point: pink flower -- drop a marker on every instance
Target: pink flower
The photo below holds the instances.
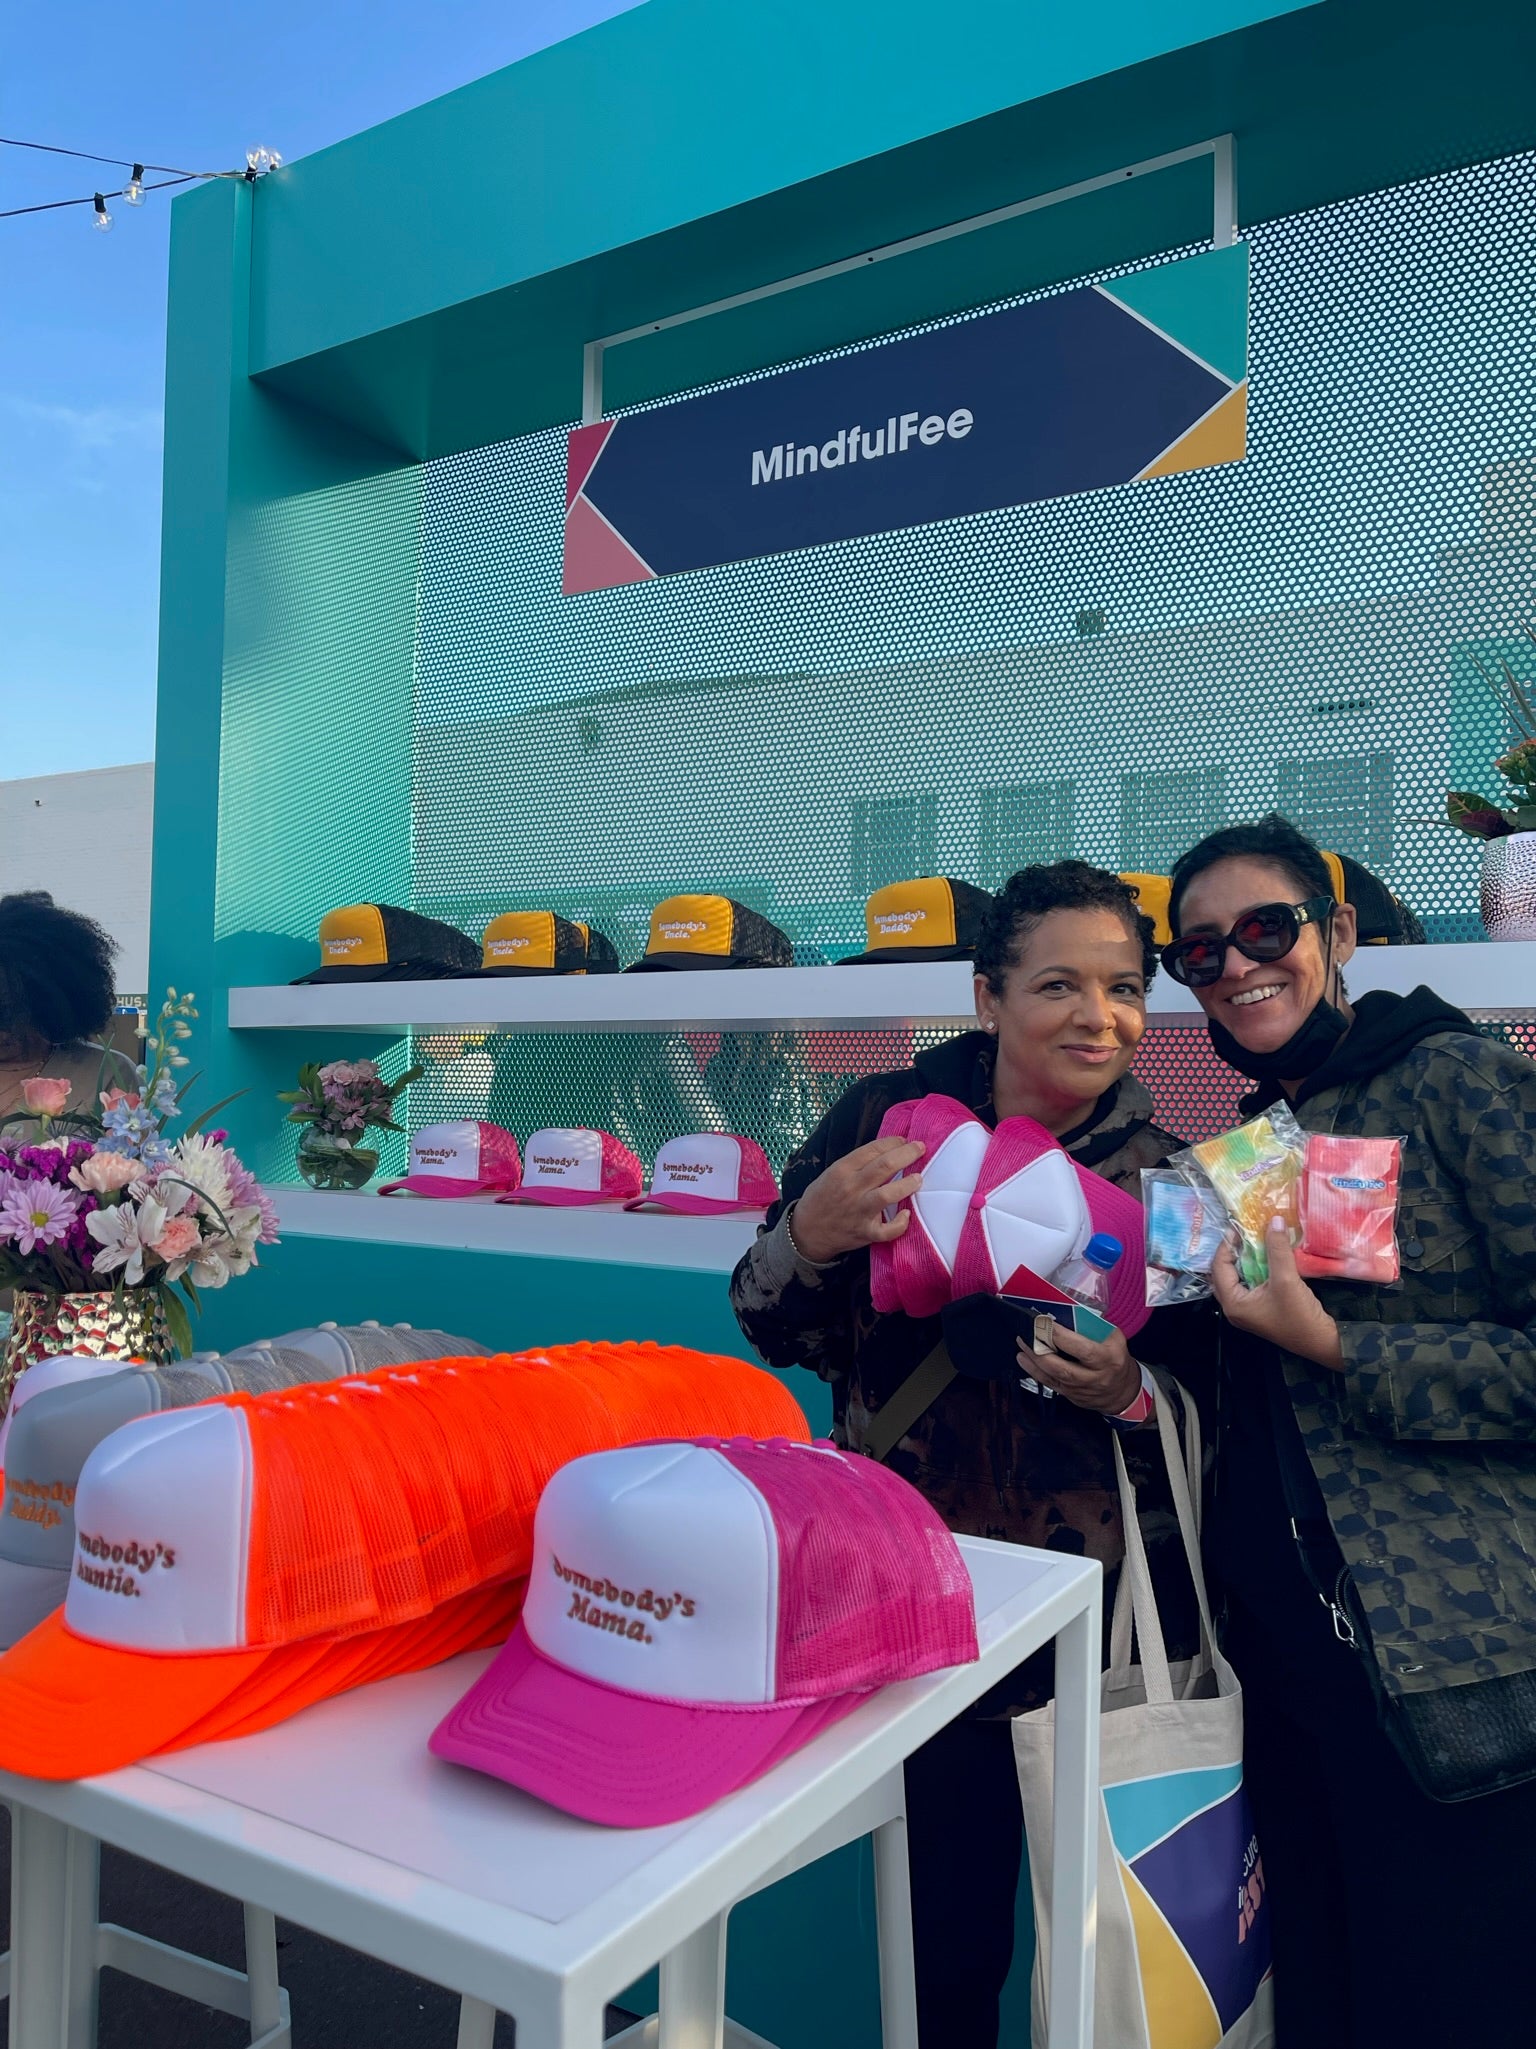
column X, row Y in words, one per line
column 119, row 1099
column 177, row 1239
column 104, row 1173
column 36, row 1213
column 44, row 1096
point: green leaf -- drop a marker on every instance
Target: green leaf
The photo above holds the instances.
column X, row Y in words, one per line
column 212, row 1111
column 177, row 1321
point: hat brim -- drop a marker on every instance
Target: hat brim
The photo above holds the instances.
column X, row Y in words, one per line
column 28, row 1593
column 700, row 1205
column 891, row 955
column 443, row 1188
column 564, row 1198
column 612, row 1757
column 70, row 1708
column 513, row 974
column 659, row 963
column 383, row 971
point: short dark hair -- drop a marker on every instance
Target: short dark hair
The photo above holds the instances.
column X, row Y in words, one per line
column 1031, row 894
column 56, row 981
column 1271, row 838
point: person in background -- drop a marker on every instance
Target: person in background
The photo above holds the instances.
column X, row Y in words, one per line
column 56, row 998
column 1375, row 1498
column 1062, row 970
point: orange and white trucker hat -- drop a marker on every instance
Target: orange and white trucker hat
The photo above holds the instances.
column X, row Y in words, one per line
column 690, row 932
column 236, row 1561
column 460, row 1158
column 932, row 917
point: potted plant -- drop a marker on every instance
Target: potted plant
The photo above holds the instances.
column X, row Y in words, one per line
column 1508, row 828
column 110, row 1228
column 337, row 1104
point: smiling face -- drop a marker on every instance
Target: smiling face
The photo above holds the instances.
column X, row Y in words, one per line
column 1264, row 1003
column 1070, row 1016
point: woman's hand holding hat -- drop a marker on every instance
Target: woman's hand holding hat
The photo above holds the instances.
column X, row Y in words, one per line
column 1283, row 1308
column 1091, row 1373
column 845, row 1207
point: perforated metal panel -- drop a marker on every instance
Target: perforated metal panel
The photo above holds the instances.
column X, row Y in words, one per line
column 1110, row 674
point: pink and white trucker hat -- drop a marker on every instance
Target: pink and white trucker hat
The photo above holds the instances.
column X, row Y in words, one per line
column 697, row 1612
column 571, row 1165
column 709, row 1174
column 458, row 1159
column 914, row 1274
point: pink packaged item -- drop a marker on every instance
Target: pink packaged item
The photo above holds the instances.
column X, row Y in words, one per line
column 569, row 1166
column 698, row 1612
column 914, row 1274
column 709, row 1174
column 1349, row 1208
column 460, row 1159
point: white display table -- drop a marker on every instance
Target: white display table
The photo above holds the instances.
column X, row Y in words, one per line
column 341, row 1821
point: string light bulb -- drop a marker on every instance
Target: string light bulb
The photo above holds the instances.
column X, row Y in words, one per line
column 101, row 218
column 133, row 191
column 260, row 160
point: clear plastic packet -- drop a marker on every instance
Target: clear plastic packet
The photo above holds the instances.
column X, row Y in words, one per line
column 1186, row 1223
column 1257, row 1171
column 1349, row 1208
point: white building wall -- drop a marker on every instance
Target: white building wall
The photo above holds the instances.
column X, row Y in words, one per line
column 85, row 838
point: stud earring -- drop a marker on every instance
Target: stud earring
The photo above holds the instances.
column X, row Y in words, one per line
column 991, row 1024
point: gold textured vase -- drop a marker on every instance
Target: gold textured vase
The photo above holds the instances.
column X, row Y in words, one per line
column 126, row 1323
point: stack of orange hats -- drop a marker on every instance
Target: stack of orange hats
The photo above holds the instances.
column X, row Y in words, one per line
column 240, row 1559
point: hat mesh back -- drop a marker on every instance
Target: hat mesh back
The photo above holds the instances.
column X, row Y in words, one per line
column 872, row 1587
column 378, row 1498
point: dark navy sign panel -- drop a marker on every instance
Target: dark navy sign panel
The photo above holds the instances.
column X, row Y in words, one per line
column 1071, row 393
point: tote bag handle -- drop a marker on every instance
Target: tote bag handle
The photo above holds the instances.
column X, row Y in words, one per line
column 1135, row 1599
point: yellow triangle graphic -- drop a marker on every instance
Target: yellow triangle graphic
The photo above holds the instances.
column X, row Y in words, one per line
column 1222, row 436
column 1180, row 2012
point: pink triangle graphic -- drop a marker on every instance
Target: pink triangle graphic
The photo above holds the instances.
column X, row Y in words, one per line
column 582, row 448
column 596, row 558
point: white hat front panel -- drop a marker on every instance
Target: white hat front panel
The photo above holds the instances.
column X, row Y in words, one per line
column 450, row 1151
column 943, row 1202
column 656, row 1569
column 1036, row 1218
column 162, row 1535
column 708, row 1164
column 564, row 1159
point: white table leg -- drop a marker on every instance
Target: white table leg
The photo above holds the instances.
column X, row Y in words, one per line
column 893, row 1923
column 691, row 2009
column 1075, row 1832
column 477, row 2024
column 53, row 1934
column 263, row 1988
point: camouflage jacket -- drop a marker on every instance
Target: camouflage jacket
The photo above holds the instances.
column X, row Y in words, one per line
column 1425, row 1447
column 994, row 1460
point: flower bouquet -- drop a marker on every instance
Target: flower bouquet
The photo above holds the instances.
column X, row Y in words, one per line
column 336, row 1104
column 104, row 1216
column 1484, row 817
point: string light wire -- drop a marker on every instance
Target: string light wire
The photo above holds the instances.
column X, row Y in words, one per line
column 258, row 163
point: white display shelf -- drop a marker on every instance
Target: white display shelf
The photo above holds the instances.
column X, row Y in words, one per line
column 863, row 999
column 481, row 1224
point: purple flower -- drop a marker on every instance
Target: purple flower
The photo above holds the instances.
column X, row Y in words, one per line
column 37, row 1213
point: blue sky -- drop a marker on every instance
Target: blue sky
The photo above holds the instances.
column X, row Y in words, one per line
column 82, row 315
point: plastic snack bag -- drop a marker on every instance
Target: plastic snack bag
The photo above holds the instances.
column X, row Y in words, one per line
column 1349, row 1208
column 1256, row 1170
column 1186, row 1224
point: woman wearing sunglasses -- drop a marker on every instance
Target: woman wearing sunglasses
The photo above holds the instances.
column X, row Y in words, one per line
column 1374, row 1532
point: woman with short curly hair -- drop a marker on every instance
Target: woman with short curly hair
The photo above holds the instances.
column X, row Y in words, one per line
column 1062, row 968
column 56, row 998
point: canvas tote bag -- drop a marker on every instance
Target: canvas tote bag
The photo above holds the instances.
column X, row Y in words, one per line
column 1183, row 1958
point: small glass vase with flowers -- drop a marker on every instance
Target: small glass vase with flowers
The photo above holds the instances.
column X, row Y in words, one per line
column 337, row 1105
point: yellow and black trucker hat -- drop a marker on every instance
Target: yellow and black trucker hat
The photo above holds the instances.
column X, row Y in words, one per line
column 1152, row 894
column 1381, row 918
column 602, row 954
column 533, row 943
column 933, row 917
column 712, row 932
column 382, row 943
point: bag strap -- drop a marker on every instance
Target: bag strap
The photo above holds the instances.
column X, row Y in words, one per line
column 910, row 1403
column 1135, row 1598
